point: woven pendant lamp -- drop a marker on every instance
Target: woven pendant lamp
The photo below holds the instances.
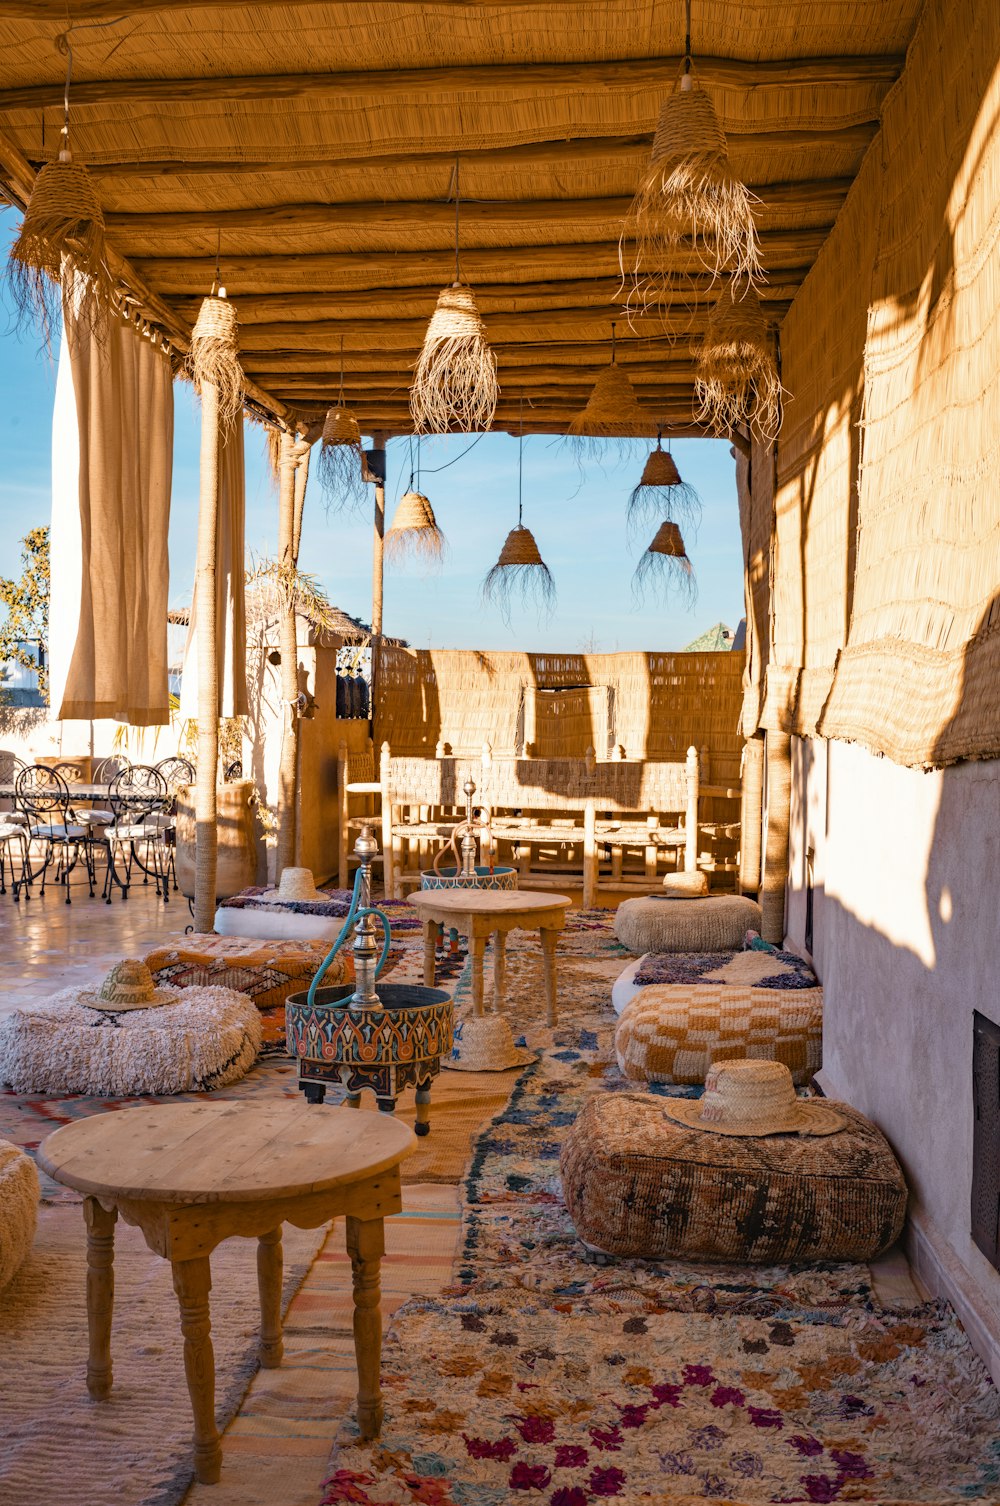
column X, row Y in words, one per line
column 660, row 492
column 665, row 567
column 736, row 372
column 689, row 194
column 414, row 532
column 520, row 570
column 339, row 466
column 62, row 236
column 612, row 412
column 214, row 354
column 455, row 379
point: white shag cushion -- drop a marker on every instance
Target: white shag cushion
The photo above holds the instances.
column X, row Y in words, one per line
column 718, row 924
column 268, row 923
column 208, row 1038
column 19, row 1193
column 625, row 988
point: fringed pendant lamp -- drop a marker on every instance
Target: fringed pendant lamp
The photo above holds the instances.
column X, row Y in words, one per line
column 660, row 492
column 665, row 567
column 62, row 235
column 689, row 193
column 340, row 460
column 414, row 532
column 455, row 380
column 520, row 570
column 612, row 411
column 736, row 372
column 214, row 355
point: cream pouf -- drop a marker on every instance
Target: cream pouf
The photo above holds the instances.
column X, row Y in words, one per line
column 717, row 924
column 203, row 1038
column 19, row 1195
column 639, row 1185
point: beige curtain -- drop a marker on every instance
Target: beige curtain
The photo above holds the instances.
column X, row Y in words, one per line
column 112, row 457
column 231, row 632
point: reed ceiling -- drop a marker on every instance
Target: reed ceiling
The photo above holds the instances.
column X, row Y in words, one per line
column 316, row 145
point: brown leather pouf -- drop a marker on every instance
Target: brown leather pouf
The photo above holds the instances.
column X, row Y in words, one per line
column 640, row 1185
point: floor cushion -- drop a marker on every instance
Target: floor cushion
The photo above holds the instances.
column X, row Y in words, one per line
column 207, row 1038
column 257, row 914
column 638, row 1184
column 721, row 1006
column 661, row 923
column 19, row 1195
column 267, row 972
column 625, row 988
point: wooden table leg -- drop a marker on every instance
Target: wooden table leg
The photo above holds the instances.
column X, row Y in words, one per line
column 269, row 1269
column 100, row 1294
column 366, row 1246
column 477, row 950
column 192, row 1283
column 499, row 970
column 549, row 940
column 430, row 948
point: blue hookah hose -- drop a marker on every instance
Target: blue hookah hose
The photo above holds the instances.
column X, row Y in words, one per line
column 354, row 914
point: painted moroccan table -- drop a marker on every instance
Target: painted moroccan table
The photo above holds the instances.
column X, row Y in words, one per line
column 479, row 914
column 191, row 1175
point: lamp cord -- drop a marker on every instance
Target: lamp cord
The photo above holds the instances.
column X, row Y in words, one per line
column 687, row 36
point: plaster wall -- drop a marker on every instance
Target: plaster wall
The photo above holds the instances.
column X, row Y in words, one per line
column 906, row 943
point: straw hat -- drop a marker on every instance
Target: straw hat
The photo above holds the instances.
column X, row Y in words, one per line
column 129, row 985
column 753, row 1098
column 483, row 1043
column 296, row 884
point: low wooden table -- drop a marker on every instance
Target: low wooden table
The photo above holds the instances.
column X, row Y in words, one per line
column 479, row 913
column 191, row 1175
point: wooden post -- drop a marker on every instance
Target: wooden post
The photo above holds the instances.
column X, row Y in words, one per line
column 289, row 650
column 779, row 789
column 343, row 774
column 205, row 804
column 751, row 814
column 691, row 816
column 589, row 855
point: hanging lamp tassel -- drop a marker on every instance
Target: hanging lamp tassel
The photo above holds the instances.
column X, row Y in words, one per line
column 214, row 355
column 414, row 532
column 736, row 372
column 520, row 570
column 665, row 568
column 661, row 492
column 339, row 465
column 455, row 381
column 61, row 243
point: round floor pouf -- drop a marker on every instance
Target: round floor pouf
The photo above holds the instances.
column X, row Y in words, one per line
column 639, row 1185
column 207, row 1038
column 670, row 924
column 19, row 1195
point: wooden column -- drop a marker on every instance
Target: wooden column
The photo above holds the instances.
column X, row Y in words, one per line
column 378, row 536
column 691, row 814
column 288, row 648
column 205, row 804
column 751, row 814
column 779, row 791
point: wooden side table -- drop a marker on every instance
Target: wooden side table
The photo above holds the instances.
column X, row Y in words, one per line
column 190, row 1176
column 480, row 913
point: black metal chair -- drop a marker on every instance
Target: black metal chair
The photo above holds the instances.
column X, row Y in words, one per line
column 43, row 795
column 175, row 772
column 139, row 838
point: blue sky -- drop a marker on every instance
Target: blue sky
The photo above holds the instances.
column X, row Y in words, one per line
column 579, row 525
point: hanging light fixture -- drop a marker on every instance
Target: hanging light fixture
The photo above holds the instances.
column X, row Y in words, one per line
column 612, row 411
column 520, row 568
column 339, row 467
column 214, row 354
column 660, row 492
column 736, row 372
column 414, row 531
column 455, row 380
column 62, row 236
column 689, row 194
column 665, row 567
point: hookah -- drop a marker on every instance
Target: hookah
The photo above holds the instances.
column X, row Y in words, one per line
column 462, row 843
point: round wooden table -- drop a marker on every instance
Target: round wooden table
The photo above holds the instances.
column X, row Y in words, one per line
column 479, row 913
column 191, row 1175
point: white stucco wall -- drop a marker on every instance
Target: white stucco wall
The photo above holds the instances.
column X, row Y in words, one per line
column 906, row 941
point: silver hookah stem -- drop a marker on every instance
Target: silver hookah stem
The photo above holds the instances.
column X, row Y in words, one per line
column 366, row 944
column 468, row 840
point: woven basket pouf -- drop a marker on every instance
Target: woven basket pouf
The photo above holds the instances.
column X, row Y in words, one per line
column 19, row 1195
column 672, row 1033
column 639, row 1185
column 717, row 924
column 686, row 885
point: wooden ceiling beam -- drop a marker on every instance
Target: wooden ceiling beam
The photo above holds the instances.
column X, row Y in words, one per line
column 641, row 374
column 373, row 354
column 575, row 152
column 520, row 80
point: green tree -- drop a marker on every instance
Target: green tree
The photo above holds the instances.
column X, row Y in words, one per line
column 27, row 606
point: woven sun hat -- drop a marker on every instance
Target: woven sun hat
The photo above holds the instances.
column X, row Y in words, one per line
column 296, row 884
column 753, row 1098
column 484, row 1043
column 129, row 985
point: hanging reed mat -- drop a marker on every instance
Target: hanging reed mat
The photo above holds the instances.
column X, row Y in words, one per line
column 736, row 372
column 520, row 570
column 340, row 462
column 660, row 491
column 214, row 354
column 665, row 568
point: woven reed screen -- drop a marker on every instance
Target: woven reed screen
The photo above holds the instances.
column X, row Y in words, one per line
column 754, row 490
column 886, row 623
column 662, row 703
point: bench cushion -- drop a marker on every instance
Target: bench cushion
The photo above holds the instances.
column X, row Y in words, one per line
column 638, row 1184
column 666, row 924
